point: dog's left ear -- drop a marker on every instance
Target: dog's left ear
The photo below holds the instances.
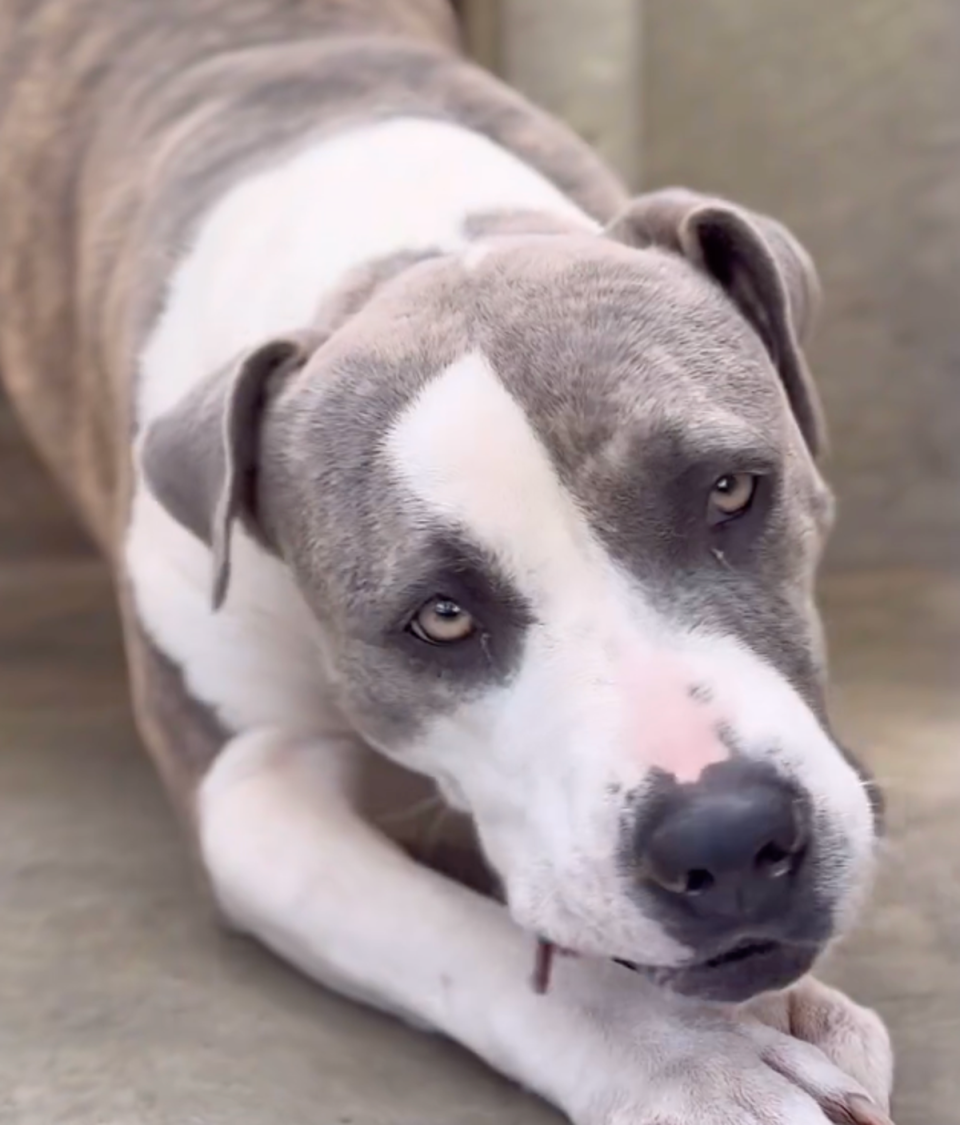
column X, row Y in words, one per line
column 761, row 266
column 200, row 458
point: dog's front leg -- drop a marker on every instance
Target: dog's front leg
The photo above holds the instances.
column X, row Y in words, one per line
column 295, row 866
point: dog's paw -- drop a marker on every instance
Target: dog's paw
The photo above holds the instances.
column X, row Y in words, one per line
column 665, row 1060
column 746, row 1074
column 853, row 1038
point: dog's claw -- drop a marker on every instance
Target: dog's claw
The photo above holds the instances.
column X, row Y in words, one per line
column 860, row 1110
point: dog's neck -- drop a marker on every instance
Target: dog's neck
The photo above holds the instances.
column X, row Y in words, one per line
column 296, row 238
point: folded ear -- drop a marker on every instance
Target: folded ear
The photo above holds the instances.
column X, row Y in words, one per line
column 200, row 458
column 762, row 267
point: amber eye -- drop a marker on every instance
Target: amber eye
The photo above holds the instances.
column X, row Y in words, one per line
column 731, row 495
column 442, row 622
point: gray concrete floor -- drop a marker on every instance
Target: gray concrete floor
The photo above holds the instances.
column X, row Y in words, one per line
column 122, row 1004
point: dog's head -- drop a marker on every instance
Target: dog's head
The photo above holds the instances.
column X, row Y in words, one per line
column 555, row 505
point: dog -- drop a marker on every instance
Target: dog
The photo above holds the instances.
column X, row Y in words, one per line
column 436, row 473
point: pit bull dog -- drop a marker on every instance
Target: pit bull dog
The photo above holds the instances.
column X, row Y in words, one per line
column 435, row 471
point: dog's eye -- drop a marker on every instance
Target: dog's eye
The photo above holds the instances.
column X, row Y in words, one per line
column 442, row 622
column 731, row 496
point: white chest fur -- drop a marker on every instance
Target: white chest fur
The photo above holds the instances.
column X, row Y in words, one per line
column 265, row 256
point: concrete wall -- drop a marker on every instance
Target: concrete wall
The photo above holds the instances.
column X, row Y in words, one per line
column 843, row 119
column 578, row 59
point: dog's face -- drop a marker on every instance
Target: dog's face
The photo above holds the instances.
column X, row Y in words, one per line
column 555, row 507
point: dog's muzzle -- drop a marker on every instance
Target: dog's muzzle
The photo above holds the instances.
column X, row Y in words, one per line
column 728, row 865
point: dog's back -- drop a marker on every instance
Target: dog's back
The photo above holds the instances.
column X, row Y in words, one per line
column 95, row 95
column 122, row 120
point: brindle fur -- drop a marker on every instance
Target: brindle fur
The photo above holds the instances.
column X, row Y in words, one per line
column 120, row 122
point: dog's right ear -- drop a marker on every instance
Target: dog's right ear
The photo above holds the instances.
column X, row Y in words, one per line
column 200, row 458
column 762, row 268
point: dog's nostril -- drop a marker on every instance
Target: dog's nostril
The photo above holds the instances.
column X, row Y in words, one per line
column 774, row 861
column 771, row 862
column 697, row 882
column 730, row 845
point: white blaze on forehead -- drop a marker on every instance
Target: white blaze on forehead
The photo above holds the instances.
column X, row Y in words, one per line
column 265, row 255
column 465, row 449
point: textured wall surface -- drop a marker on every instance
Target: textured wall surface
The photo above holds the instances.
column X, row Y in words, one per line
column 843, row 119
column 578, row 60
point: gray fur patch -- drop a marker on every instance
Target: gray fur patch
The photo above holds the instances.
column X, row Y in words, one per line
column 645, row 382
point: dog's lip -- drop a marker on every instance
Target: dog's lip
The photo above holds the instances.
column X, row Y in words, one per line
column 744, row 969
column 743, row 950
column 732, row 975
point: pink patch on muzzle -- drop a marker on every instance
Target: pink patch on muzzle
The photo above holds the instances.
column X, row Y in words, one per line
column 672, row 728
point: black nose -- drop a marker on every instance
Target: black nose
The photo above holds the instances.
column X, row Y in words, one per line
column 729, row 845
